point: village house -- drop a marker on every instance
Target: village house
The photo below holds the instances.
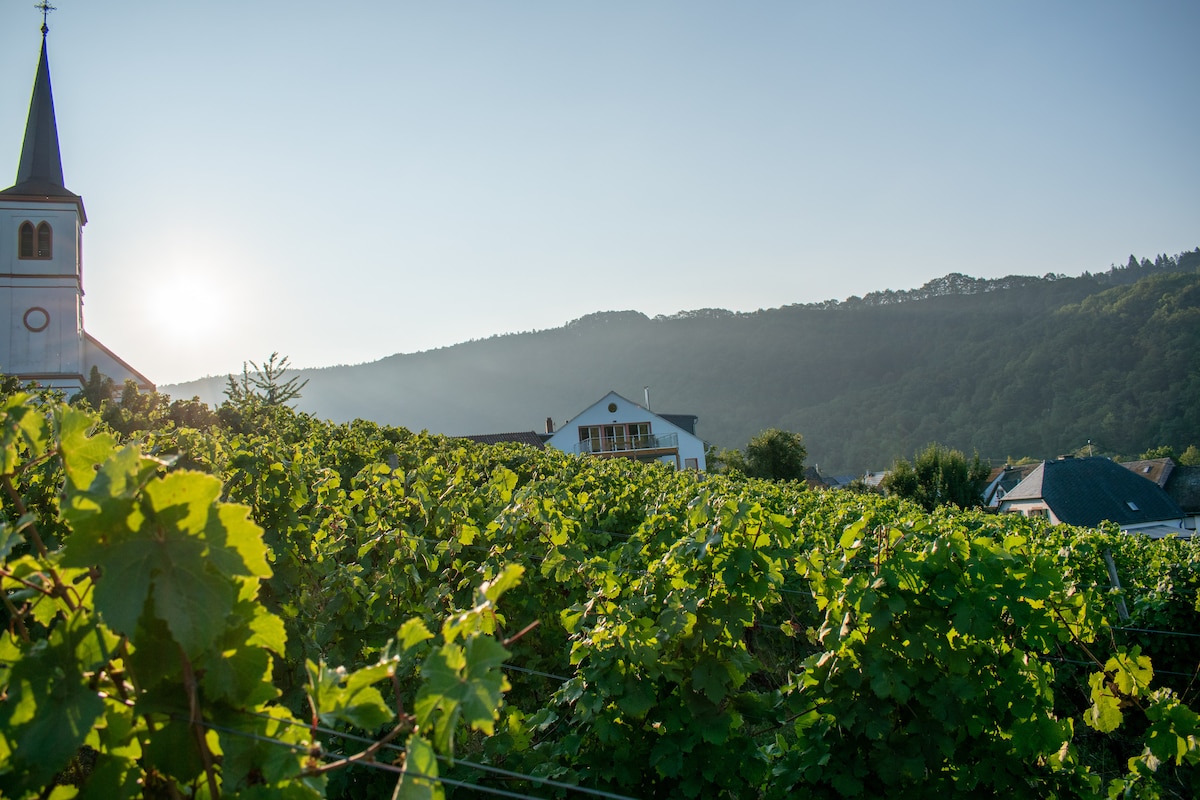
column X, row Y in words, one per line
column 1088, row 491
column 615, row 427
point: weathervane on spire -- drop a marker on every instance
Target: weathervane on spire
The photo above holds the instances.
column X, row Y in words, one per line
column 45, row 8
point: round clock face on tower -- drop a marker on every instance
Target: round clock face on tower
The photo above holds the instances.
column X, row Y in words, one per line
column 36, row 319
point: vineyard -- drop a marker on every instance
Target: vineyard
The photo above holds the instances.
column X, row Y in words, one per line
column 271, row 605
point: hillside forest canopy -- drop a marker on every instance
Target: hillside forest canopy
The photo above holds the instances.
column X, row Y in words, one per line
column 1008, row 368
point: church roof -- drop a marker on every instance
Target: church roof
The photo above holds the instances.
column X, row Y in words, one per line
column 39, row 174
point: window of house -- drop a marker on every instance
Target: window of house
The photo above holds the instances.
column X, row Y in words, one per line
column 34, row 242
column 591, row 435
column 639, row 435
column 691, row 463
column 618, row 436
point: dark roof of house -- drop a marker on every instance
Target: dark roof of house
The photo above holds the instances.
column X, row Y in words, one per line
column 815, row 480
column 685, row 421
column 1152, row 469
column 1184, row 488
column 531, row 438
column 40, row 175
column 1088, row 491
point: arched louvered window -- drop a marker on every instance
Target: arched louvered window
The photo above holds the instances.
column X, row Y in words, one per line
column 25, row 248
column 35, row 242
column 45, row 240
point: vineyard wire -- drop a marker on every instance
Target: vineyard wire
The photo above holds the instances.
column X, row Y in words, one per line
column 399, row 770
column 1092, row 664
column 481, row 767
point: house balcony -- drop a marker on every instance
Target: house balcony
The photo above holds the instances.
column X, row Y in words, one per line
column 643, row 447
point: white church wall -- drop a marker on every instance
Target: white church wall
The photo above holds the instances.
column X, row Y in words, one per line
column 41, row 296
column 64, row 222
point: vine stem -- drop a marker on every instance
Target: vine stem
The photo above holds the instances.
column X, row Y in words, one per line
column 27, row 584
column 22, row 510
column 1099, row 664
column 521, row 632
column 405, row 721
column 196, row 720
column 16, row 617
column 367, row 753
column 60, row 589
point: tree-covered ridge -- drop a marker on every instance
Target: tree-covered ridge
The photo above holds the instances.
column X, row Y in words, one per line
column 313, row 608
column 1009, row 367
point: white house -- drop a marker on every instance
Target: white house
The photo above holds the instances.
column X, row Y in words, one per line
column 42, row 338
column 615, row 427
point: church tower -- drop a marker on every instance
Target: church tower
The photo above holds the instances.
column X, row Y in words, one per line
column 41, row 264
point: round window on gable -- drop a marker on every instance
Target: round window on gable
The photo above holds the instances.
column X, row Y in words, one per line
column 612, row 408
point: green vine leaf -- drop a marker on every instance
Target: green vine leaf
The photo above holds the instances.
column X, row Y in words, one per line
column 420, row 767
column 50, row 709
column 23, row 428
column 338, row 695
column 462, row 684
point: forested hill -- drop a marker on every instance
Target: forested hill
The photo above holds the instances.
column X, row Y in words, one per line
column 1010, row 367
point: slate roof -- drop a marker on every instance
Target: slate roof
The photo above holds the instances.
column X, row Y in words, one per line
column 40, row 175
column 686, row 422
column 531, row 438
column 1152, row 469
column 1184, row 488
column 815, row 480
column 1088, row 491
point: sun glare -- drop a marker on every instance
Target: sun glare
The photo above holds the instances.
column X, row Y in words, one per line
column 187, row 309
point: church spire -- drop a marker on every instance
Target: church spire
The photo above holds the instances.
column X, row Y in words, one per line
column 40, row 170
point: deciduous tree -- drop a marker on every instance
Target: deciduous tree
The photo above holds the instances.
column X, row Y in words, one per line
column 938, row 476
column 776, row 455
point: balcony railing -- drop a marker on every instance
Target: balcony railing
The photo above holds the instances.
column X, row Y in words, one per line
column 629, row 444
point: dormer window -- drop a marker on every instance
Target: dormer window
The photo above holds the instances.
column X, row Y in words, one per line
column 37, row 243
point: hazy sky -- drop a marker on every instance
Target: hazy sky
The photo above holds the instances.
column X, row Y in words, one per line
column 342, row 182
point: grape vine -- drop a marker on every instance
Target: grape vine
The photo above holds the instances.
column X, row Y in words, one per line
column 289, row 607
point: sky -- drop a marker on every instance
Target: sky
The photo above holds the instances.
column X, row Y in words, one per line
column 339, row 183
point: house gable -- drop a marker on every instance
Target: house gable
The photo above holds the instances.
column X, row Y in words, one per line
column 617, row 426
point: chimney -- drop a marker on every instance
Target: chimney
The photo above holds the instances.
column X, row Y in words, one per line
column 647, row 390
column 549, row 425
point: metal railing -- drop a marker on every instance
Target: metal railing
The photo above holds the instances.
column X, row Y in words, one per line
column 629, row 444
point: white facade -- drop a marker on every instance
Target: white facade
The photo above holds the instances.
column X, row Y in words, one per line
column 617, row 427
column 42, row 339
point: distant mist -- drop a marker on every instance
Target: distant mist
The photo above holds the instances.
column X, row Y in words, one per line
column 1006, row 367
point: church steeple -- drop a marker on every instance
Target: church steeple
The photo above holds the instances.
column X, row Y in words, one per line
column 40, row 173
column 41, row 160
column 42, row 337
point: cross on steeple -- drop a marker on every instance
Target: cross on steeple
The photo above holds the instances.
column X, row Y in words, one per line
column 45, row 8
